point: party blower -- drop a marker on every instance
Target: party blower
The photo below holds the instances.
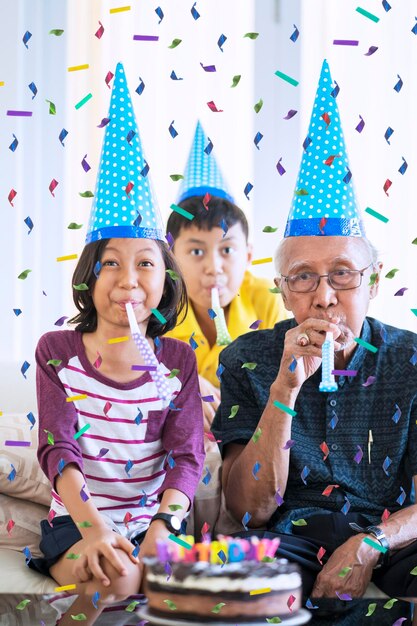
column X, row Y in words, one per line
column 223, row 337
column 162, row 386
column 328, row 382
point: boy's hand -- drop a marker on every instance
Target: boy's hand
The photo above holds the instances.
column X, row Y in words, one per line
column 209, row 408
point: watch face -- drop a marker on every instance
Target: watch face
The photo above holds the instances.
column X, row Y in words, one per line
column 175, row 522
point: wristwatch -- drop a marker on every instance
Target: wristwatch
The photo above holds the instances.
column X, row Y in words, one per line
column 379, row 535
column 171, row 522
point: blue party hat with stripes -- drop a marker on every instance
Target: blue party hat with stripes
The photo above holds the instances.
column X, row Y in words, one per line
column 324, row 201
column 124, row 204
column 202, row 173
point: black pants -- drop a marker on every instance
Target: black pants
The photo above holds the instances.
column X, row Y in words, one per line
column 330, row 531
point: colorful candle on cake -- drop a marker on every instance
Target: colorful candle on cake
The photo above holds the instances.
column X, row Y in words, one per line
column 223, row 337
column 162, row 386
column 328, row 382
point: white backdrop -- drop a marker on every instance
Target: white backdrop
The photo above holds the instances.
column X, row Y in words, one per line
column 366, row 89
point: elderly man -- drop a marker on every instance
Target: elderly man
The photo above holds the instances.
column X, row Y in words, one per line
column 331, row 473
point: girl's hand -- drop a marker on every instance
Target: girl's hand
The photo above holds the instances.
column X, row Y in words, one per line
column 308, row 356
column 102, row 545
column 156, row 530
column 209, row 408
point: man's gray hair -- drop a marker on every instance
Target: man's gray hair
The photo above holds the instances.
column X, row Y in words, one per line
column 280, row 253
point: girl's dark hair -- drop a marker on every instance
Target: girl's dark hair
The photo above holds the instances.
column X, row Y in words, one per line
column 218, row 209
column 173, row 305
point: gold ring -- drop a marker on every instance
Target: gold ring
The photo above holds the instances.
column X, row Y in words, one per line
column 303, row 339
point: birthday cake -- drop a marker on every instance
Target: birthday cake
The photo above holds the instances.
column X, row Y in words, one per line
column 225, row 580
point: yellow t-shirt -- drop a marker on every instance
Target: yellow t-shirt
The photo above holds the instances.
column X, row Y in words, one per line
column 253, row 302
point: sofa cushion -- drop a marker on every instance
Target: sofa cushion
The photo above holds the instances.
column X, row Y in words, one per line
column 25, row 530
column 29, row 482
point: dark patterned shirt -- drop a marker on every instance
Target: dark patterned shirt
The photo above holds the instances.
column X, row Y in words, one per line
column 385, row 404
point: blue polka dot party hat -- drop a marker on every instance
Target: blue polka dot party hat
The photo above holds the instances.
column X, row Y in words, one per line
column 202, row 173
column 324, row 200
column 124, row 204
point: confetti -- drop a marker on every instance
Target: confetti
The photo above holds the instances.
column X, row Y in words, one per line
column 280, row 168
column 80, row 396
column 251, row 35
column 361, row 124
column 180, row 542
column 359, row 455
column 129, row 188
column 273, row 620
column 345, row 508
column 104, row 122
column 269, row 229
column 65, row 587
column 98, row 361
column 52, row 186
column 291, row 601
column 403, row 168
column 219, row 371
column 95, row 599
column 29, row 224
column 52, row 107
column 370, row 16
column 343, row 572
column 128, row 467
column 379, row 216
column 23, row 444
column 386, row 5
column 304, row 474
column 413, row 359
column 290, row 114
column 255, row 325
column 285, row 408
column 344, row 372
column 306, row 143
column 371, row 50
column 61, row 466
column 145, row 37
column 365, row 344
column 371, row 609
column 84, row 429
column 28, row 555
column 249, row 366
column 81, row 287
column 414, row 571
column 236, row 80
column 289, row 444
column 132, row 606
column 223, row 225
column 325, row 449
column 396, row 417
column 295, row 34
column 119, row 9
column 278, row 498
column 12, row 474
column 207, row 478
column 169, row 458
column 320, row 554
column 390, row 603
column 103, row 452
column 172, row 130
column 388, row 133
column 399, row 84
column 248, row 188
column 26, row 38
column 11, row 196
column 414, row 29
column 76, row 68
column 213, row 107
column 345, row 42
column 80, row 617
column 100, row 31
column 216, row 609
column 68, row 257
column 160, row 14
column 255, row 470
column 130, row 136
column 9, row 526
column 258, row 106
column 14, row 143
column 174, row 372
column 175, row 43
column 86, row 167
column 17, row 312
column 233, row 411
column 221, row 41
column 31, row 419
column 54, row 362
column 392, row 273
column 85, row 524
column 159, row 316
column 287, row 78
column 256, row 592
column 24, row 368
column 369, row 381
column 194, row 12
column 208, row 68
column 22, row 605
column 83, row 101
column 343, row 596
column 335, row 91
column 310, row 605
column 118, row 339
column 62, row 136
column 245, row 520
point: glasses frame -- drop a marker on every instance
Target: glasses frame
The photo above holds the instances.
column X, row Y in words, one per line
column 329, row 280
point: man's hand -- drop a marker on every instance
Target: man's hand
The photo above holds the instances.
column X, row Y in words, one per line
column 358, row 556
column 209, row 408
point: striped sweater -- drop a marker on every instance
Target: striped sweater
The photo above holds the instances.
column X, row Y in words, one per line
column 131, row 450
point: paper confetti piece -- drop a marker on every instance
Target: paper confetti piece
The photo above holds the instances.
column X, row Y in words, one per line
column 213, row 107
column 305, row 472
column 295, row 34
column 103, row 452
column 80, row 617
column 269, row 229
column 392, row 273
column 255, row 470
column 299, row 522
column 248, row 188
column 273, row 620
column 104, row 122
column 413, row 359
column 14, row 143
column 54, row 362
column 22, row 605
column 399, row 84
column 22, row 444
column 236, row 80
column 403, row 168
column 77, row 68
column 180, row 542
column 29, row 224
column 194, row 12
column 371, row 51
column 374, row 544
column 320, row 554
column 132, row 606
column 100, row 31
column 365, row 344
column 293, row 364
column 85, row 524
column 284, row 408
column 207, row 478
column 386, row 5
column 345, row 42
column 52, row 186
column 361, row 124
column 256, row 435
column 160, row 14
column 119, row 9
column 291, row 601
column 379, row 216
column 65, row 587
column 118, row 339
column 325, row 449
column 399, row 621
column 68, row 257
column 28, row 554
column 175, row 43
column 9, row 526
column 83, row 101
column 31, row 419
column 12, row 474
column 344, row 571
column 388, row 133
column 255, row 325
column 359, row 455
column 128, row 467
column 396, row 417
column 61, row 466
column 84, row 429
column 369, row 381
column 249, row 366
column 95, row 598
column 222, row 39
column 289, row 444
column 278, row 498
column 390, row 603
column 258, row 106
column 370, row 16
column 280, row 168
column 17, row 312
column 169, row 458
column 208, row 68
column 344, row 596
column 80, row 396
column 371, row 609
column 219, row 370
column 145, row 37
column 24, row 368
column 86, row 167
column 345, row 508
column 414, row 29
column 52, row 107
column 81, row 287
column 257, row 140
column 414, row 571
column 344, row 372
column 26, row 38
column 159, row 316
column 233, row 411
column 245, row 519
column 287, row 78
column 182, row 211
column 62, row 136
column 11, row 196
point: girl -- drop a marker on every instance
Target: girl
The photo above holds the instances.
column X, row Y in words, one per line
column 115, row 459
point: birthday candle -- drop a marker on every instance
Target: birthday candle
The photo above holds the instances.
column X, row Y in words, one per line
column 162, row 386
column 328, row 382
column 223, row 337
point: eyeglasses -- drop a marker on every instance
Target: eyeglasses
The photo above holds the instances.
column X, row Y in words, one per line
column 340, row 280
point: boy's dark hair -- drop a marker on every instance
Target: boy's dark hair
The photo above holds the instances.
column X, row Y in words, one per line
column 173, row 303
column 218, row 209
